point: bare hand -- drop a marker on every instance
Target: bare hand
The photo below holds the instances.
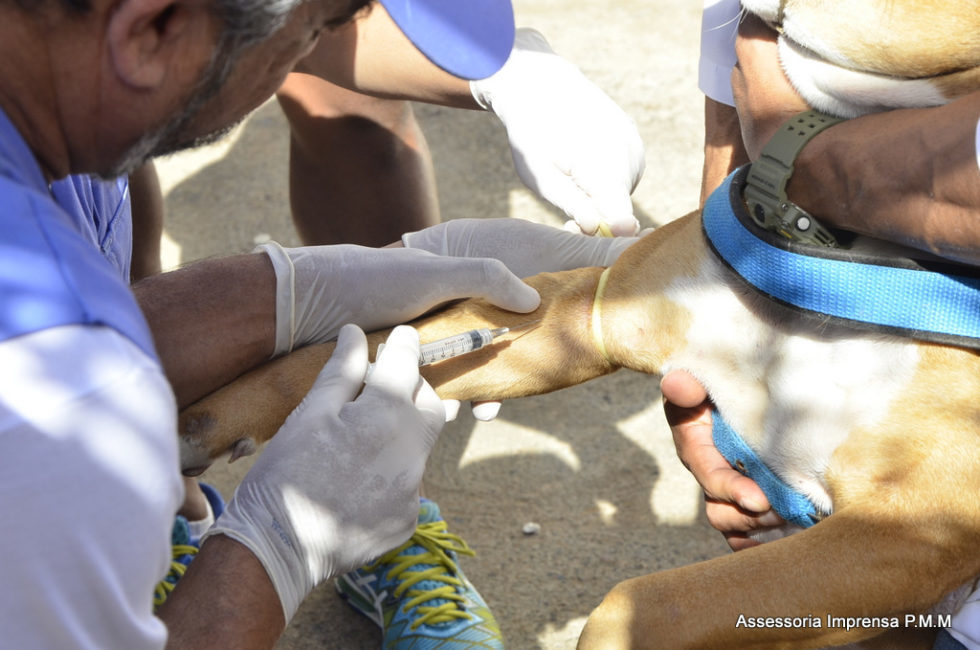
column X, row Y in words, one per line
column 734, row 504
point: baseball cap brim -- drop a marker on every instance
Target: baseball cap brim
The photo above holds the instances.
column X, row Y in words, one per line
column 467, row 38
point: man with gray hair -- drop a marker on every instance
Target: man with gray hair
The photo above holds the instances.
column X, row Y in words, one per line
column 92, row 376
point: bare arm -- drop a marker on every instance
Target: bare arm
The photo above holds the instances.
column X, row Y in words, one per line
column 372, row 56
column 211, row 321
column 908, row 176
column 723, row 148
column 225, row 599
column 148, row 211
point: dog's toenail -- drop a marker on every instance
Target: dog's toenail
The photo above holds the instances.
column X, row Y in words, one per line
column 242, row 447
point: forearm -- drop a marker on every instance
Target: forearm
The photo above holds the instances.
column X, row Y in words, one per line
column 371, row 55
column 211, row 321
column 225, row 600
column 723, row 149
column 909, row 176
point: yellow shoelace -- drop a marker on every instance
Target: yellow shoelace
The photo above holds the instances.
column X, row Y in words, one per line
column 431, row 536
column 164, row 587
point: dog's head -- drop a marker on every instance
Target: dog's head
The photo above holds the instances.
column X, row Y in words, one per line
column 851, row 57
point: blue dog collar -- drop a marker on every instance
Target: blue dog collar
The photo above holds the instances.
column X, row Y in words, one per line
column 924, row 300
column 787, row 502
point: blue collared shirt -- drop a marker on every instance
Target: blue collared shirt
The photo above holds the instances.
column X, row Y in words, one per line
column 64, row 250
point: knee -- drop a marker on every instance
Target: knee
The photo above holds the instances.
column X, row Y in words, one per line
column 610, row 625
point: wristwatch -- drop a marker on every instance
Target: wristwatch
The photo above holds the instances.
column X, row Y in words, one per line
column 765, row 190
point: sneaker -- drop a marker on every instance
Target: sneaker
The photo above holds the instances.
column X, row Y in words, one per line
column 183, row 553
column 419, row 596
column 185, row 546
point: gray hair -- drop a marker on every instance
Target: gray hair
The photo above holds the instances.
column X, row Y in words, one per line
column 246, row 22
column 243, row 24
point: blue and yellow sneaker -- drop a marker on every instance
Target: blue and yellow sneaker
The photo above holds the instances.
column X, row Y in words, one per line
column 419, row 596
column 185, row 546
column 183, row 553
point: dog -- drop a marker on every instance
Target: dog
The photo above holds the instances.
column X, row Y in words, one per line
column 878, row 429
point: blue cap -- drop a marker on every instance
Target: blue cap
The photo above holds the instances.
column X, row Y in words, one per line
column 467, row 38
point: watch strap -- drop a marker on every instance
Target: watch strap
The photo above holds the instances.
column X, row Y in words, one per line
column 765, row 190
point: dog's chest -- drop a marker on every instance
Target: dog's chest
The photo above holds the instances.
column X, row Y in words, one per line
column 793, row 391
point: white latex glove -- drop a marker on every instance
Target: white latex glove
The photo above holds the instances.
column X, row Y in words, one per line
column 526, row 248
column 339, row 483
column 321, row 288
column 571, row 143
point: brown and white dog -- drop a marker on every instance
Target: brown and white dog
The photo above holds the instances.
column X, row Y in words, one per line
column 881, row 430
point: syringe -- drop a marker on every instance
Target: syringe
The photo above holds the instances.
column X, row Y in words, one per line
column 454, row 346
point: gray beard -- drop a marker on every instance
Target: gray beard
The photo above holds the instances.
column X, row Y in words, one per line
column 171, row 137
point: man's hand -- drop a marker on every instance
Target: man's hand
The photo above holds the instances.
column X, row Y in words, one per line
column 322, row 288
column 764, row 96
column 734, row 504
column 338, row 485
column 571, row 143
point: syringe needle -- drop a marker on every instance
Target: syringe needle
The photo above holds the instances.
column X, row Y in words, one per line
column 463, row 343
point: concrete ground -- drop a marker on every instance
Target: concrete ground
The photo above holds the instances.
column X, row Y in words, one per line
column 594, row 466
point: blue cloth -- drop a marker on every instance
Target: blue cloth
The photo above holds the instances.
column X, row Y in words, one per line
column 896, row 296
column 52, row 273
column 788, row 503
column 102, row 212
column 946, row 641
column 469, row 39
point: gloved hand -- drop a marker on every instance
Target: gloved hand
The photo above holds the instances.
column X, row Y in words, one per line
column 321, row 288
column 526, row 248
column 571, row 143
column 339, row 484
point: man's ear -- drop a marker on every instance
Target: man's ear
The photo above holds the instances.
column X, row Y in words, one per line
column 149, row 39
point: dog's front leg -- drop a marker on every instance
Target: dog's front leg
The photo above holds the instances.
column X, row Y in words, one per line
column 557, row 351
column 776, row 595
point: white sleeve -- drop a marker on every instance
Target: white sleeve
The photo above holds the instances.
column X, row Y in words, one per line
column 719, row 24
column 966, row 622
column 89, row 485
column 976, row 144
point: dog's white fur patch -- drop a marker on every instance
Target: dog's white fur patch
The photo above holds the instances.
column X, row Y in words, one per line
column 849, row 93
column 827, row 78
column 767, row 10
column 794, row 390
